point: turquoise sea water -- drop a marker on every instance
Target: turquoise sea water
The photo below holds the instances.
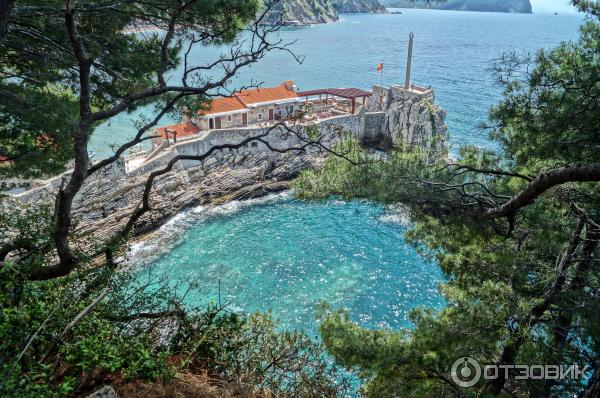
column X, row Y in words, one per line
column 453, row 51
column 286, row 255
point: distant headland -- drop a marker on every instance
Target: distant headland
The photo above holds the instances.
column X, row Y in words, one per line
column 308, row 12
column 512, row 6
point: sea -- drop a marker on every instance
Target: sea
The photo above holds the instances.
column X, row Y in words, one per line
column 284, row 255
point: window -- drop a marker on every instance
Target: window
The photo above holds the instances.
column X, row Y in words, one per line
column 254, row 144
column 228, row 118
column 260, row 116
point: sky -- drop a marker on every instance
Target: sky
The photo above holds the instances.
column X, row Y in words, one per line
column 552, row 6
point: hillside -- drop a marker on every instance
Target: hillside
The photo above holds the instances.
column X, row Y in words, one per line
column 303, row 12
column 307, row 12
column 513, row 6
column 358, row 6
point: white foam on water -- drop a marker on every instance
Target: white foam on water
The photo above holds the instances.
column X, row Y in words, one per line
column 169, row 233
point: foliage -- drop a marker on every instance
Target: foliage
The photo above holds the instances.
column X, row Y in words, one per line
column 39, row 80
column 251, row 353
column 522, row 287
column 118, row 339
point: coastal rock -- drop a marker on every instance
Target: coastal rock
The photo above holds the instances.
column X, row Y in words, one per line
column 359, row 6
column 303, row 12
column 108, row 199
column 308, row 12
column 512, row 6
column 412, row 118
column 104, row 392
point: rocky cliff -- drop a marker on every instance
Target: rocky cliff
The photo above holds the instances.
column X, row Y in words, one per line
column 307, row 12
column 359, row 6
column 513, row 6
column 411, row 117
column 303, row 12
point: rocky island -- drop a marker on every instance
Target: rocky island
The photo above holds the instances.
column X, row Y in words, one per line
column 308, row 12
column 511, row 6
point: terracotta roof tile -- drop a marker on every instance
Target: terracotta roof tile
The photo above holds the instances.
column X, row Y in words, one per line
column 180, row 130
column 245, row 98
column 250, row 97
column 225, row 104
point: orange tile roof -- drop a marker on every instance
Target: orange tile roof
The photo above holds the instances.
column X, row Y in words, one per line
column 180, row 130
column 245, row 98
column 225, row 104
column 250, row 97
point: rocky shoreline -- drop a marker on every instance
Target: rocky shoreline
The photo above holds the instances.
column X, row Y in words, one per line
column 111, row 195
column 106, row 202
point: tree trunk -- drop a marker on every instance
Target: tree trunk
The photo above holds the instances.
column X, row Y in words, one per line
column 66, row 195
column 6, row 7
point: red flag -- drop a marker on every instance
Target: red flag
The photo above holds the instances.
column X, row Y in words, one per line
column 380, row 67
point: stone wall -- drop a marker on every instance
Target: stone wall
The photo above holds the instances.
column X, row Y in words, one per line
column 372, row 129
column 278, row 138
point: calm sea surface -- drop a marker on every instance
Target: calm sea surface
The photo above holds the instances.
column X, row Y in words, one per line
column 286, row 255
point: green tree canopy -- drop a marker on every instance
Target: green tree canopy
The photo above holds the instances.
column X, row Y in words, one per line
column 515, row 230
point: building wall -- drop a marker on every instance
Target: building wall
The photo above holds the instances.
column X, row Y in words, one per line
column 372, row 128
column 384, row 97
column 256, row 115
column 278, row 138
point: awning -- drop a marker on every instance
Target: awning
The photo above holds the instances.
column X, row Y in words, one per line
column 350, row 93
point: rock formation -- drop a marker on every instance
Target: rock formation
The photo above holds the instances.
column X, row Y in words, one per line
column 303, row 12
column 411, row 117
column 359, row 6
column 513, row 6
column 108, row 198
column 307, row 12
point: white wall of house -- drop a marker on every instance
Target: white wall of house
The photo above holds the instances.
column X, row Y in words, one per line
column 255, row 115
